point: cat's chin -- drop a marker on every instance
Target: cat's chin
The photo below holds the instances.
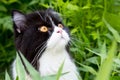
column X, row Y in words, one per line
column 65, row 38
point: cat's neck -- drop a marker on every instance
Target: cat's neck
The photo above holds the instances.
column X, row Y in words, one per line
column 56, row 51
column 52, row 59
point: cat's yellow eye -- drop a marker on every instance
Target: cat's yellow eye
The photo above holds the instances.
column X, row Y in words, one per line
column 43, row 29
column 60, row 25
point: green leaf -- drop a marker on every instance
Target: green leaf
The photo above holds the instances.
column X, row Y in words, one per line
column 115, row 78
column 86, row 7
column 86, row 40
column 106, row 67
column 94, row 34
column 74, row 30
column 33, row 2
column 103, row 52
column 7, row 77
column 93, row 51
column 20, row 68
column 99, row 24
column 33, row 73
column 9, row 1
column 6, row 22
column 12, row 1
column 59, row 71
column 114, row 32
column 117, row 61
column 93, row 60
column 3, row 8
column 113, row 20
column 88, row 68
column 72, row 7
column 44, row 5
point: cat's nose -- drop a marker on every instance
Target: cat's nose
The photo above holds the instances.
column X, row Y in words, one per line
column 59, row 31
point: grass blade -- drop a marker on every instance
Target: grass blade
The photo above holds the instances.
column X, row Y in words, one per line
column 103, row 52
column 106, row 67
column 88, row 69
column 114, row 32
column 33, row 73
column 20, row 68
column 7, row 77
column 59, row 71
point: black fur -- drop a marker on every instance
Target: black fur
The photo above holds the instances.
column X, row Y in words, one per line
column 29, row 40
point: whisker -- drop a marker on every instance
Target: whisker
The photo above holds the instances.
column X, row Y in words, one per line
column 40, row 45
column 38, row 53
column 41, row 49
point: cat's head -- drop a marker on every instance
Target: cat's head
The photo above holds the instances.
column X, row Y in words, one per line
column 39, row 30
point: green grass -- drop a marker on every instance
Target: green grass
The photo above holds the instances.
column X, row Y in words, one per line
column 95, row 34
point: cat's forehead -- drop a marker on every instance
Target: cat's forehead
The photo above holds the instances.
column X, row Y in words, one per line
column 44, row 17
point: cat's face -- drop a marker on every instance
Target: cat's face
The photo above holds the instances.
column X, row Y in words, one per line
column 38, row 31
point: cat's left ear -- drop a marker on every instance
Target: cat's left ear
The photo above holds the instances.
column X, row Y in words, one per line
column 19, row 20
column 54, row 13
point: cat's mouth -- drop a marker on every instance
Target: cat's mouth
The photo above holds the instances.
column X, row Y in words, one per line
column 62, row 38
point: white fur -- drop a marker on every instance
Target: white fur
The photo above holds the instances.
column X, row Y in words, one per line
column 55, row 55
column 51, row 61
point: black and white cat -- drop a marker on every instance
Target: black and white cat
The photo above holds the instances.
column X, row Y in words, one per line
column 43, row 39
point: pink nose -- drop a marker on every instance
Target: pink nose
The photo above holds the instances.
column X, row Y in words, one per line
column 59, row 31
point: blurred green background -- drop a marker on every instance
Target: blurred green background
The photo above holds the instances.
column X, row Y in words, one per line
column 94, row 26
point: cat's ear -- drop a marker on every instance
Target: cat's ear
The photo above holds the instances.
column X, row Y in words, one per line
column 54, row 13
column 19, row 20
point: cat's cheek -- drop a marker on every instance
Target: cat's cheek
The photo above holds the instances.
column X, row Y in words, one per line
column 66, row 36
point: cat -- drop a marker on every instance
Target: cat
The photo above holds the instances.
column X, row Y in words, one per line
column 43, row 39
